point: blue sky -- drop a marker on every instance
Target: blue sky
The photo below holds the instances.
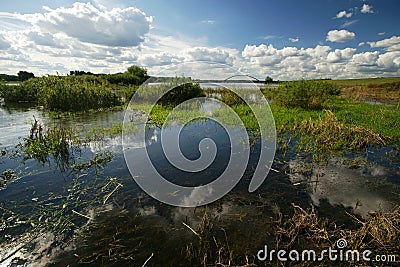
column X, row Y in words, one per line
column 282, row 39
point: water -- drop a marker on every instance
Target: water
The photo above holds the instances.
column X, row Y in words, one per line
column 233, row 85
column 128, row 226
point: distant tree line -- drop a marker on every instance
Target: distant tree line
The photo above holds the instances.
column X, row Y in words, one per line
column 134, row 75
column 20, row 77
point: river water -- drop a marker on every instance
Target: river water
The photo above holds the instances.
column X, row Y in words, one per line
column 54, row 216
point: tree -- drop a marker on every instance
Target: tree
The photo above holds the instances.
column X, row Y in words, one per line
column 24, row 75
column 268, row 79
column 79, row 72
column 137, row 71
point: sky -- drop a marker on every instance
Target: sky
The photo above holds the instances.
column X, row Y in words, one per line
column 283, row 39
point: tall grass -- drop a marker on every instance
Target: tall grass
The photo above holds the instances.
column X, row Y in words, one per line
column 73, row 93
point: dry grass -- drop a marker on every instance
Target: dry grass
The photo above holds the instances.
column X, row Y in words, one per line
column 211, row 250
column 386, row 93
column 328, row 134
column 380, row 232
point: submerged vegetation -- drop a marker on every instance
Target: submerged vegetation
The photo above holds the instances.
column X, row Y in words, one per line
column 41, row 143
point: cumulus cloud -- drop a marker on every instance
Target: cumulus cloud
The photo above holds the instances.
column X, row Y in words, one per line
column 343, row 14
column 161, row 59
column 44, row 46
column 366, row 58
column 44, row 39
column 366, row 9
column 391, row 44
column 87, row 23
column 390, row 61
column 340, row 36
column 210, row 54
column 290, row 63
column 258, row 51
column 340, row 55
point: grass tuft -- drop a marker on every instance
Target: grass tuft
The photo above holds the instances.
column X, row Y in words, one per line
column 328, row 134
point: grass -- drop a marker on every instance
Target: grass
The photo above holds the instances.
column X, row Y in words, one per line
column 328, row 134
column 338, row 124
column 380, row 233
column 43, row 142
column 364, row 82
column 342, row 124
column 388, row 93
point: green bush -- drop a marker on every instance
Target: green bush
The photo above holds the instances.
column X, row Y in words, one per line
column 182, row 93
column 133, row 76
column 305, row 94
column 74, row 93
column 127, row 92
column 18, row 93
column 179, row 93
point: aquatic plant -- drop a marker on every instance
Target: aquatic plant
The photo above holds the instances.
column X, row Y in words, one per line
column 6, row 177
column 42, row 142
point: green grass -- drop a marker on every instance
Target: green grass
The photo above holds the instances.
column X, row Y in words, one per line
column 381, row 119
column 364, row 82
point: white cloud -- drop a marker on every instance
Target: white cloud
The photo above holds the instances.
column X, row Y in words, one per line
column 366, row 58
column 391, row 44
column 366, row 9
column 151, row 60
column 290, row 63
column 87, row 23
column 36, row 48
column 340, row 55
column 340, row 36
column 210, row 54
column 258, row 51
column 269, row 37
column 294, row 40
column 343, row 14
column 348, row 23
column 390, row 61
column 4, row 44
column 381, row 33
column 209, row 21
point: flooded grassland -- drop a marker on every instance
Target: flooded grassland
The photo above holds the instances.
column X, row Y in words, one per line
column 68, row 198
